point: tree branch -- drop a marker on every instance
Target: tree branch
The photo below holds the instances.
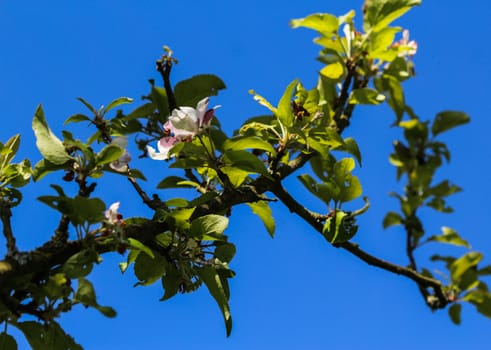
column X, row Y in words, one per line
column 314, row 220
column 5, row 215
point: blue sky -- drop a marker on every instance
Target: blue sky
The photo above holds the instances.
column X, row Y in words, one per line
column 294, row 291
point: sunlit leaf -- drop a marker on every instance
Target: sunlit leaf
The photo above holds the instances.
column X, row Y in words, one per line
column 263, row 211
column 48, row 144
column 322, row 22
column 378, row 14
column 366, row 96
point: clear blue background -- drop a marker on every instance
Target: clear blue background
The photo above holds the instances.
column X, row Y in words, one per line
column 295, row 291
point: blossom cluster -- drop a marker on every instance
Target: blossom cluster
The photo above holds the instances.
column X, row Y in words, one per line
column 405, row 46
column 182, row 125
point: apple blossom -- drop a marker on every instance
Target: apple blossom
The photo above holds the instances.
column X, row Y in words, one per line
column 121, row 164
column 183, row 124
column 112, row 215
column 406, row 47
column 164, row 145
column 186, row 122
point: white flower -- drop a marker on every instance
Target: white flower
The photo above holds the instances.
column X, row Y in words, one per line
column 112, row 214
column 406, row 47
column 121, row 164
column 164, row 145
column 186, row 122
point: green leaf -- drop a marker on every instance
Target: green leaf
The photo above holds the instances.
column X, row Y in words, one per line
column 170, row 282
column 464, row 263
column 481, row 300
column 321, row 191
column 366, row 96
column 454, row 313
column 190, row 91
column 50, row 336
column 235, row 175
column 48, row 144
column 263, row 211
column 381, row 41
column 450, row 236
column 340, row 227
column 175, row 182
column 394, row 92
column 86, row 296
column 81, row 210
column 44, row 167
column 322, row 22
column 142, row 111
column 352, row 148
column 334, row 70
column 76, row 118
column 245, row 161
column 159, row 98
column 88, row 105
column 135, row 244
column 80, row 264
column 248, row 142
column 135, row 173
column 108, row 154
column 443, row 189
column 216, row 288
column 284, row 111
column 447, row 120
column 9, row 150
column 148, row 269
column 392, row 219
column 225, row 252
column 209, row 226
column 7, row 342
column 117, row 102
column 378, row 14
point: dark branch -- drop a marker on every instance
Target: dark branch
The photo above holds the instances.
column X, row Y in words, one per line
column 314, row 220
column 5, row 215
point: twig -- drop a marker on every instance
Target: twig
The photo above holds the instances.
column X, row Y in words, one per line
column 6, row 214
column 154, row 203
column 164, row 67
column 421, row 280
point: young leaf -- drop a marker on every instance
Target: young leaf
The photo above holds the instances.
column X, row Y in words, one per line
column 366, row 96
column 340, row 227
column 334, row 70
column 284, row 111
column 117, row 102
column 450, row 236
column 48, row 144
column 447, row 120
column 10, row 149
column 324, row 23
column 392, row 219
column 248, row 142
column 263, row 211
column 378, row 14
column 76, row 118
column 464, row 263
